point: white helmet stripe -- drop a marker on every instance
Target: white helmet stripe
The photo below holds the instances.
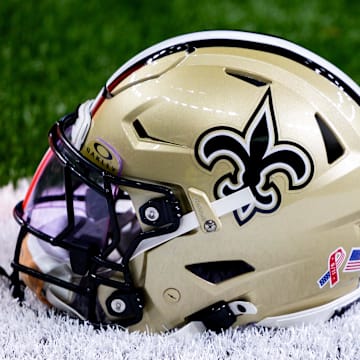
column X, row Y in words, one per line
column 264, row 42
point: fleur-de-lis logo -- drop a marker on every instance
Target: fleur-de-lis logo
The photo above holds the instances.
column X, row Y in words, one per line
column 255, row 155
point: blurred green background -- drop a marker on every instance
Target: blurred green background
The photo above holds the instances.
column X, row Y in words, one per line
column 56, row 54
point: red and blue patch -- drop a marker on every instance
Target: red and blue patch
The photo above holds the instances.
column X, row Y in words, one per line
column 335, row 261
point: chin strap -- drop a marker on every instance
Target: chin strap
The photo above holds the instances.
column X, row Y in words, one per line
column 222, row 315
column 217, row 317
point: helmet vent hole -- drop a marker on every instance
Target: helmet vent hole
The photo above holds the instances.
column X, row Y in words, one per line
column 143, row 134
column 219, row 271
column 334, row 149
column 140, row 130
column 247, row 78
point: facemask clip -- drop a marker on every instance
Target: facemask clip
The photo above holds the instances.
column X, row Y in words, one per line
column 126, row 307
column 159, row 212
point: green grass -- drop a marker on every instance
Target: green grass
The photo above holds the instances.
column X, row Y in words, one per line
column 56, row 54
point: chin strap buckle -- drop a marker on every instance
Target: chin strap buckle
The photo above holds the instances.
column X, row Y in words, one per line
column 222, row 315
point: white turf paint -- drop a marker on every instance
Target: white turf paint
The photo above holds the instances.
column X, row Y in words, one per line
column 28, row 332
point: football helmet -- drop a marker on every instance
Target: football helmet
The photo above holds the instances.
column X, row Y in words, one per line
column 213, row 182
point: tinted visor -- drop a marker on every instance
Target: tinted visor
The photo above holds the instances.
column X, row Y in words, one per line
column 62, row 209
column 55, row 205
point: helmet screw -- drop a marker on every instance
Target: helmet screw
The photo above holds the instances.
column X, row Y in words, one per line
column 151, row 213
column 210, row 226
column 172, row 295
column 118, row 306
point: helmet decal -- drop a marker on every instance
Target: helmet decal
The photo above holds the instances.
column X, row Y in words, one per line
column 255, row 154
column 104, row 155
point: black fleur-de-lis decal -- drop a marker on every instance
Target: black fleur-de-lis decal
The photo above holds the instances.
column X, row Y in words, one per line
column 256, row 153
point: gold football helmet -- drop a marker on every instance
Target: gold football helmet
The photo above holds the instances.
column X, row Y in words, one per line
column 213, row 182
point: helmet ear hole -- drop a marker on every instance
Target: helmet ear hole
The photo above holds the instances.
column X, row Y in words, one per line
column 218, row 271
